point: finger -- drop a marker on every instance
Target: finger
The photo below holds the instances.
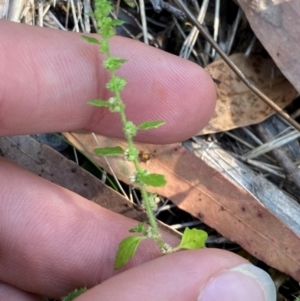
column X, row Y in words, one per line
column 47, row 77
column 9, row 293
column 53, row 240
column 202, row 275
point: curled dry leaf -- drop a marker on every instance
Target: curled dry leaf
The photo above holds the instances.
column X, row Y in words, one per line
column 219, row 190
column 236, row 105
column 276, row 25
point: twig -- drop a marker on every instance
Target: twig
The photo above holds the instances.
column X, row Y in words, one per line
column 293, row 173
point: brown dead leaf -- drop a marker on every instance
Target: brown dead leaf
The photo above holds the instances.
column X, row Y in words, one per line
column 236, row 105
column 241, row 206
column 276, row 25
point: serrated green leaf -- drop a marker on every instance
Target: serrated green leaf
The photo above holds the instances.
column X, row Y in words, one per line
column 99, row 103
column 152, row 179
column 193, row 239
column 77, row 292
column 109, row 151
column 91, row 40
column 127, row 249
column 154, row 124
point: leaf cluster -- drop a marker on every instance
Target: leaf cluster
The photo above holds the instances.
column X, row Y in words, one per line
column 191, row 239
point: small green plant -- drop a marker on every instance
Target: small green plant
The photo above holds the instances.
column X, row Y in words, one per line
column 192, row 239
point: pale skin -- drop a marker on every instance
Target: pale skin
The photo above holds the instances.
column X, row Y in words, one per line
column 52, row 240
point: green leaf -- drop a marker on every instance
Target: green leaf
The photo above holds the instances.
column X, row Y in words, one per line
column 131, row 3
column 106, row 31
column 193, row 239
column 106, row 21
column 116, row 84
column 91, row 40
column 99, row 103
column 139, row 228
column 109, row 151
column 127, row 249
column 102, row 9
column 118, row 22
column 74, row 294
column 113, row 63
column 151, row 179
column 151, row 124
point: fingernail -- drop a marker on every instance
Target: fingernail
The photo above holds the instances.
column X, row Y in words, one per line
column 244, row 282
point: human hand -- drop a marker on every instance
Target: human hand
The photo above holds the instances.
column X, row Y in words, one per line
column 52, row 240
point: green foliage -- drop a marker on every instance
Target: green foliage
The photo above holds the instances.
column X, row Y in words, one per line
column 104, row 46
column 150, row 179
column 131, row 154
column 113, row 63
column 100, row 103
column 131, row 3
column 74, row 294
column 91, row 40
column 127, row 249
column 139, row 228
column 142, row 178
column 147, row 125
column 116, row 84
column 130, row 129
column 109, row 151
column 193, row 239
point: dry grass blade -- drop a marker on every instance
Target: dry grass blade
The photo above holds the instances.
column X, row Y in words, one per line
column 272, row 144
column 190, row 41
column 144, row 21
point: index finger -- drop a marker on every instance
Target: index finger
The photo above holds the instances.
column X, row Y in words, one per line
column 47, row 77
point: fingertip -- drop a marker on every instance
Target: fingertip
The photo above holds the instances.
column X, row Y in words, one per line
column 161, row 86
column 201, row 101
column 8, row 292
column 178, row 276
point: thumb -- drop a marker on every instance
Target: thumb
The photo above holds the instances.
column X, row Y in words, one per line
column 202, row 275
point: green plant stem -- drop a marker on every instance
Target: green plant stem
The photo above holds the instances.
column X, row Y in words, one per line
column 145, row 197
column 192, row 239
